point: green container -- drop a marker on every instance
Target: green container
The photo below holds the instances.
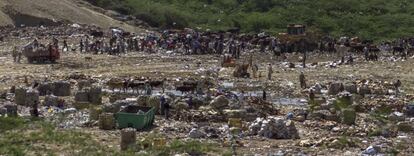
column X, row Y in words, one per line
column 135, row 117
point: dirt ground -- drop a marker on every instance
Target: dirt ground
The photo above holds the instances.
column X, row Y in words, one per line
column 28, row 12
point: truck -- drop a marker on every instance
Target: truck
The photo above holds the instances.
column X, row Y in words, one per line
column 40, row 53
column 299, row 38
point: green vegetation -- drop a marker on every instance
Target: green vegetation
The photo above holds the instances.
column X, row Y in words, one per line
column 36, row 137
column 371, row 19
column 193, row 147
column 11, row 123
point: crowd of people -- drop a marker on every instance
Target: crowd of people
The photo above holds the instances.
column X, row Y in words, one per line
column 189, row 41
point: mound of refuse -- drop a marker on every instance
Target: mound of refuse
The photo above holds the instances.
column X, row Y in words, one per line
column 274, row 128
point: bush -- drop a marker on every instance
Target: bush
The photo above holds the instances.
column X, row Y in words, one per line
column 367, row 19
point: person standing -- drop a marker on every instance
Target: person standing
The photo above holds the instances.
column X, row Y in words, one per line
column 251, row 59
column 366, row 53
column 241, row 98
column 167, row 110
column 255, row 68
column 81, row 45
column 302, row 80
column 34, row 112
column 351, row 60
column 397, row 86
column 65, row 45
column 19, row 55
column 304, row 59
column 270, row 72
column 14, row 54
column 190, row 102
column 148, row 88
column 311, row 95
column 162, row 104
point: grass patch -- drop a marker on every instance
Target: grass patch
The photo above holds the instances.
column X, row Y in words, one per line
column 381, row 114
column 342, row 103
column 192, row 147
column 37, row 137
column 11, row 123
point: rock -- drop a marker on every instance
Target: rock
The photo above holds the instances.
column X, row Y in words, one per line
column 45, row 88
column 51, row 100
column 197, row 102
column 344, row 100
column 335, row 88
column 32, row 97
column 106, row 121
column 95, row 95
column 348, row 116
column 305, row 143
column 300, row 118
column 61, row 88
column 116, row 106
column 352, row 88
column 180, row 105
column 94, row 113
column 3, row 94
column 370, row 151
column 409, row 110
column 20, row 96
column 317, row 88
column 291, row 65
column 405, row 126
column 115, row 97
column 323, row 114
column 363, row 90
column 70, row 110
column 82, row 96
column 219, row 102
column 11, row 110
column 3, row 111
column 235, row 131
column 275, row 128
column 128, row 138
column 84, row 83
column 235, row 113
column 396, row 116
column 378, row 91
column 142, row 100
column 195, row 134
column 154, row 101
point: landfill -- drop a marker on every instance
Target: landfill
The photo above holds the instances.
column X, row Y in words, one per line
column 345, row 109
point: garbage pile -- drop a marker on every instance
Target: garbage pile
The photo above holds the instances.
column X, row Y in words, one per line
column 274, row 128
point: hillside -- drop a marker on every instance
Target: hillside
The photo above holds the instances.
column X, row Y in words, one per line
column 48, row 12
column 373, row 19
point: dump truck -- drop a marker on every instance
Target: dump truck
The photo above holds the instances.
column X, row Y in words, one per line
column 298, row 37
column 41, row 54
